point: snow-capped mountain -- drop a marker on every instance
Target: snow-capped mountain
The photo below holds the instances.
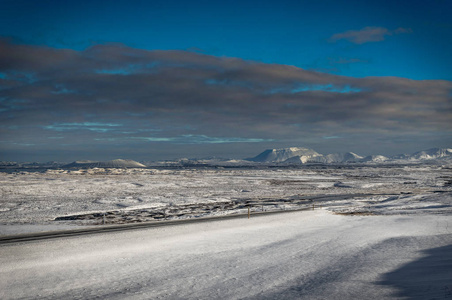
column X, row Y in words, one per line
column 338, row 158
column 326, row 159
column 433, row 153
column 303, row 155
column 280, row 155
column 375, row 158
column 297, row 155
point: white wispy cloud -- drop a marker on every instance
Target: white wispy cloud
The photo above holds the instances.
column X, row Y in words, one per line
column 367, row 34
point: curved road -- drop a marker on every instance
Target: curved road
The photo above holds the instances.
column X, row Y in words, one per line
column 122, row 227
column 28, row 237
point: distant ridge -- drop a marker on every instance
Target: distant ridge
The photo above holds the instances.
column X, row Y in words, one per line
column 283, row 154
column 338, row 157
column 116, row 163
column 298, row 155
column 432, row 153
column 375, row 158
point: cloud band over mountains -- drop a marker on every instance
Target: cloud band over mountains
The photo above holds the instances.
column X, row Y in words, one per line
column 116, row 94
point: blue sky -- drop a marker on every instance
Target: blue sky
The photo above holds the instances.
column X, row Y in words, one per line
column 284, row 32
column 276, row 62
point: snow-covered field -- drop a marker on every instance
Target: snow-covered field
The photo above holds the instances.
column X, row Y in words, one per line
column 298, row 255
column 376, row 233
column 136, row 195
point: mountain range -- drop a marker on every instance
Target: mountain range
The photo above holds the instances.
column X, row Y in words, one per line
column 289, row 156
column 298, row 155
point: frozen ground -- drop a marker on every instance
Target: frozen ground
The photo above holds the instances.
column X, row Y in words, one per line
column 376, row 233
column 298, row 255
column 106, row 196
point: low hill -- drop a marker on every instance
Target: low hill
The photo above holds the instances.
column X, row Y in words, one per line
column 116, row 163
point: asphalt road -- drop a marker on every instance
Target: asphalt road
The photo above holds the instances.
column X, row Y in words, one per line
column 123, row 227
column 29, row 237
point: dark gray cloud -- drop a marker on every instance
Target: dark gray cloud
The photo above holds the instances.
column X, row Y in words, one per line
column 115, row 96
column 367, row 34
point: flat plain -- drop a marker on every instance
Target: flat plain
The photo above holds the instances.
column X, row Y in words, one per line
column 375, row 232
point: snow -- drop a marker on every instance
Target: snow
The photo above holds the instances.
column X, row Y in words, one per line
column 377, row 232
column 37, row 198
column 309, row 255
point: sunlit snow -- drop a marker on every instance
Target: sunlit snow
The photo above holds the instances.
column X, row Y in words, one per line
column 367, row 232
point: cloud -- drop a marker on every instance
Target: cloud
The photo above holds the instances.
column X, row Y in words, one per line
column 200, row 139
column 188, row 98
column 367, row 34
column 92, row 126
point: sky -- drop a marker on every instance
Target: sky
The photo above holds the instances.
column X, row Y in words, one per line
column 154, row 80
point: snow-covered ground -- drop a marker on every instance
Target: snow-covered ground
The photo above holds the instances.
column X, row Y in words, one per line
column 376, row 233
column 134, row 195
column 299, row 255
